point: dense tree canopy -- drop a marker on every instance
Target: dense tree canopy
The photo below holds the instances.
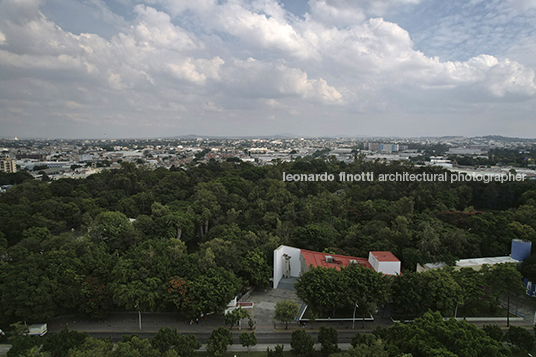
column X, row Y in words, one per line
column 431, row 335
column 188, row 240
column 326, row 290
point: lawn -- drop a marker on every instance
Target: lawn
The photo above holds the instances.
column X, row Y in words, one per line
column 485, row 310
column 480, row 310
column 347, row 313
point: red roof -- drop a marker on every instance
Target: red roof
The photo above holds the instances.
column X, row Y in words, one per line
column 385, row 256
column 317, row 259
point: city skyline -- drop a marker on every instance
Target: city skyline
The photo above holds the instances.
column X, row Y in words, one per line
column 165, row 68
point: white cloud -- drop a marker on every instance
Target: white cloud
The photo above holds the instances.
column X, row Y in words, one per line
column 155, row 31
column 330, row 14
column 187, row 70
column 508, row 77
column 523, row 4
column 260, row 30
column 115, row 81
column 244, row 57
column 176, row 7
column 351, row 12
column 257, row 79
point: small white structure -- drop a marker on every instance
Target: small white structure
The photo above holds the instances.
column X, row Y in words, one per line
column 235, row 304
column 384, row 262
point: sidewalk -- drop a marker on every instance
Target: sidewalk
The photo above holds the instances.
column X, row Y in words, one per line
column 128, row 323
column 5, row 348
column 524, row 306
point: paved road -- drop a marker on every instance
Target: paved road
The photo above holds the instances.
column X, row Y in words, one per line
column 5, row 348
column 273, row 338
column 262, row 314
column 126, row 323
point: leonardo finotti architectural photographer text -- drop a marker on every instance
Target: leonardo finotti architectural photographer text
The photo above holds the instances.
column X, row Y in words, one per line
column 405, row 177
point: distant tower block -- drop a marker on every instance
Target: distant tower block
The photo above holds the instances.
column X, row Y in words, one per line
column 520, row 249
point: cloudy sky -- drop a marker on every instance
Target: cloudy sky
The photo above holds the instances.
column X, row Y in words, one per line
column 155, row 68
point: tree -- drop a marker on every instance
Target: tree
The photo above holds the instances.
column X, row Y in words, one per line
column 366, row 287
column 20, row 341
column 313, row 236
column 115, row 230
column 312, row 319
column 170, row 339
column 59, row 344
column 218, row 341
column 494, row 331
column 26, row 289
column 521, row 337
column 504, row 280
column 235, row 316
column 322, row 289
column 94, row 347
column 374, row 349
column 285, row 311
column 136, row 347
column 256, row 269
column 97, row 298
column 472, row 285
column 327, row 337
column 302, row 344
column 178, row 293
column 431, row 335
column 248, row 339
column 326, row 290
column 528, row 268
column 141, row 295
column 44, row 176
column 173, row 225
column 277, row 352
column 212, row 291
column 415, row 293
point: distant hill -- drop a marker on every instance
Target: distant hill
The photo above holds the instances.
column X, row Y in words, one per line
column 506, row 138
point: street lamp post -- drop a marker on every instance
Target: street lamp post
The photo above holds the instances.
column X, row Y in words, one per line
column 353, row 320
column 139, row 315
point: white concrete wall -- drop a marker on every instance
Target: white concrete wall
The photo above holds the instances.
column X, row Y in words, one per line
column 295, row 266
column 391, row 268
column 278, row 265
column 373, row 261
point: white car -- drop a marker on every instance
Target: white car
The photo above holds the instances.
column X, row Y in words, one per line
column 37, row 330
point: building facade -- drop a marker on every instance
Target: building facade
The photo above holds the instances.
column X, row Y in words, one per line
column 7, row 164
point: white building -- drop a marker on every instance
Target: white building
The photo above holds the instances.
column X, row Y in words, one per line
column 290, row 262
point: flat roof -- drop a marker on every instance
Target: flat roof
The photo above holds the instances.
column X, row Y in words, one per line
column 318, row 259
column 488, row 260
column 385, row 256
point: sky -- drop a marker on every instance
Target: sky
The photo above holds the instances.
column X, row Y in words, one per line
column 164, row 68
